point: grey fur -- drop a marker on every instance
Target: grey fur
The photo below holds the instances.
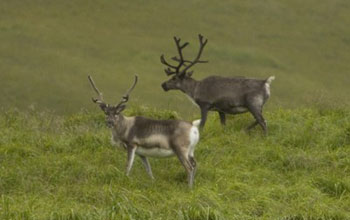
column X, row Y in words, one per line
column 226, row 95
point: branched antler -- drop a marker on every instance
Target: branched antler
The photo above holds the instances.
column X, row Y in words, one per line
column 202, row 44
column 172, row 69
column 125, row 97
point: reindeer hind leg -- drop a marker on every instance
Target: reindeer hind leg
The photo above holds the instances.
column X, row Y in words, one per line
column 187, row 164
column 147, row 166
column 194, row 165
column 257, row 113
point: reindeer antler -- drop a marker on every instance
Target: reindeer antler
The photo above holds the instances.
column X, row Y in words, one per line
column 180, row 60
column 99, row 100
column 172, row 69
column 125, row 97
column 202, row 44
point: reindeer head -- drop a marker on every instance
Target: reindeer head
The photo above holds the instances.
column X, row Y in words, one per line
column 180, row 71
column 112, row 112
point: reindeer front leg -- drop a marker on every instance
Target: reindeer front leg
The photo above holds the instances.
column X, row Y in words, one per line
column 131, row 155
column 222, row 118
column 204, row 113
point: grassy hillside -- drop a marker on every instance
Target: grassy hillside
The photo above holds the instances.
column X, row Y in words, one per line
column 48, row 47
column 55, row 167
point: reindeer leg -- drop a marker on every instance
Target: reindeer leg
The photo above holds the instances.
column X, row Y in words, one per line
column 257, row 113
column 187, row 165
column 255, row 123
column 194, row 165
column 204, row 113
column 131, row 155
column 222, row 118
column 147, row 166
column 192, row 161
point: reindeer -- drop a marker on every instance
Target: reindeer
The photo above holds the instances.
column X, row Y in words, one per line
column 148, row 137
column 226, row 95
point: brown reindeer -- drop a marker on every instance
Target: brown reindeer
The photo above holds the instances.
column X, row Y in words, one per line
column 148, row 137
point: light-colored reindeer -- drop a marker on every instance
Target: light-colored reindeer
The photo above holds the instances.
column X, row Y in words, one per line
column 148, row 137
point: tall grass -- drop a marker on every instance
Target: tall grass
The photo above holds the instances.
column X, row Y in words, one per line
column 64, row 167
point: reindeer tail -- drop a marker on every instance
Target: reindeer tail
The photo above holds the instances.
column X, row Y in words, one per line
column 270, row 79
column 196, row 123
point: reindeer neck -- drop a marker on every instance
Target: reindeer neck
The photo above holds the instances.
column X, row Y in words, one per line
column 122, row 126
column 189, row 86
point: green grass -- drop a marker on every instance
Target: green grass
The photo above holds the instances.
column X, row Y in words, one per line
column 64, row 167
column 56, row 161
column 49, row 47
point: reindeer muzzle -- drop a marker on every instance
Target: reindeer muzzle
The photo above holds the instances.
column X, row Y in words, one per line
column 110, row 123
column 165, row 87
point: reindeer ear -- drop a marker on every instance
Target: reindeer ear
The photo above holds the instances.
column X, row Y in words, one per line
column 103, row 107
column 189, row 74
column 120, row 109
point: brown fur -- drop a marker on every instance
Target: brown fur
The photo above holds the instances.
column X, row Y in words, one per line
column 149, row 137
